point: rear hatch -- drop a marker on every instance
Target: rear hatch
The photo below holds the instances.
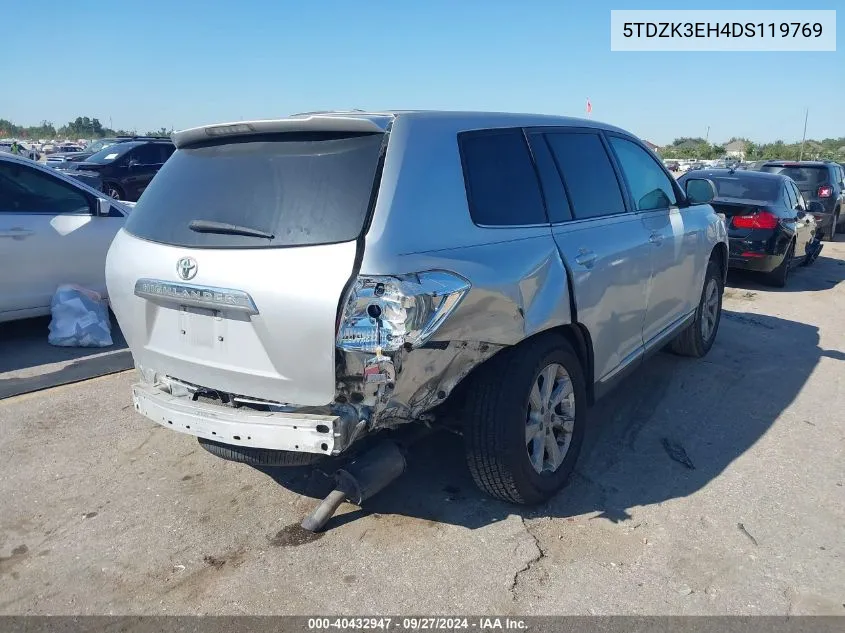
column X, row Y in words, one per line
column 809, row 178
column 229, row 272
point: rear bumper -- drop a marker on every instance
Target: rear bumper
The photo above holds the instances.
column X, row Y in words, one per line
column 297, row 432
column 753, row 255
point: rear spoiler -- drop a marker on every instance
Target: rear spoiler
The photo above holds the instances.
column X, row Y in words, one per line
column 374, row 123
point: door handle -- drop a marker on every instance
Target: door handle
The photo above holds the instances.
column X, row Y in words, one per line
column 16, row 233
column 655, row 238
column 585, row 258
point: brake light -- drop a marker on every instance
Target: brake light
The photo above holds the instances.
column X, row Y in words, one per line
column 759, row 220
column 825, row 191
column 386, row 313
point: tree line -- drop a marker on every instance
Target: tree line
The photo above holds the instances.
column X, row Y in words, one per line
column 81, row 127
column 696, row 147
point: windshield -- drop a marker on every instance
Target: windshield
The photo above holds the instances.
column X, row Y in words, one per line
column 96, row 146
column 807, row 178
column 295, row 189
column 747, row 188
column 108, row 154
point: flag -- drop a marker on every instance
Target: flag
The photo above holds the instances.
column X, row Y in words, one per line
column 589, row 106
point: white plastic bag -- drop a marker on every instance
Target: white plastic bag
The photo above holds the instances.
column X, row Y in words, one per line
column 80, row 318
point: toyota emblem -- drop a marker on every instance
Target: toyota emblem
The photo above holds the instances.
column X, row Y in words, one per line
column 187, row 268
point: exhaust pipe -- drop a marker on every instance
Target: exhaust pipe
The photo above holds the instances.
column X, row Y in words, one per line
column 365, row 476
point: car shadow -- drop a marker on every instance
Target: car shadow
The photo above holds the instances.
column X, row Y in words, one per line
column 29, row 363
column 823, row 274
column 664, row 434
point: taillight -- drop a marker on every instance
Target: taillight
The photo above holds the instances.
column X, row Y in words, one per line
column 385, row 313
column 825, row 191
column 759, row 220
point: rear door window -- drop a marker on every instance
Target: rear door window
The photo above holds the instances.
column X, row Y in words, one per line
column 587, row 174
column 303, row 189
column 791, row 198
column 649, row 185
column 799, row 199
column 501, row 183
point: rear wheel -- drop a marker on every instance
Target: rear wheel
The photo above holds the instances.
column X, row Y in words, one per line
column 525, row 414
column 697, row 339
column 780, row 275
column 834, row 227
column 258, row 456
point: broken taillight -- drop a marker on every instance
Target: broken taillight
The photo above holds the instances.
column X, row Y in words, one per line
column 384, row 313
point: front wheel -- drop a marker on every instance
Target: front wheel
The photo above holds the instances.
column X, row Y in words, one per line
column 525, row 414
column 697, row 339
column 112, row 190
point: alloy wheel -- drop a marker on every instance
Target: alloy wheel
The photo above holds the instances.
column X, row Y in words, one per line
column 551, row 418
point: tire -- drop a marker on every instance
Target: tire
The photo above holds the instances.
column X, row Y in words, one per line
column 834, row 227
column 780, row 275
column 496, row 416
column 113, row 190
column 692, row 341
column 258, row 456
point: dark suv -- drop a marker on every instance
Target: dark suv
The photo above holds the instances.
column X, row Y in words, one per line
column 126, row 168
column 820, row 181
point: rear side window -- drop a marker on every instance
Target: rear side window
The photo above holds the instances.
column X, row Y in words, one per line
column 587, row 173
column 502, row 186
column 303, row 189
column 650, row 186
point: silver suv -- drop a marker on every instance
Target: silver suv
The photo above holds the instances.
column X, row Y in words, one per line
column 290, row 286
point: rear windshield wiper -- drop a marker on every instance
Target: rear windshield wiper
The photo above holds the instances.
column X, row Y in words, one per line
column 224, row 228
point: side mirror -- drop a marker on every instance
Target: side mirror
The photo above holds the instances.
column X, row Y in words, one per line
column 815, row 207
column 699, row 190
column 103, row 207
column 133, row 163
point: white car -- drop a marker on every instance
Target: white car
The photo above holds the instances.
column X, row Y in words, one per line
column 53, row 230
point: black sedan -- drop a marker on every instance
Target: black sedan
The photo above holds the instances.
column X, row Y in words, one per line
column 770, row 226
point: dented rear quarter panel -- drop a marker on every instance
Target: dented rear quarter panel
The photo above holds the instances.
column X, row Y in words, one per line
column 422, row 222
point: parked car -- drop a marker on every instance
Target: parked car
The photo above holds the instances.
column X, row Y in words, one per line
column 53, row 230
column 60, row 159
column 283, row 298
column 771, row 228
column 819, row 181
column 125, row 168
column 672, row 165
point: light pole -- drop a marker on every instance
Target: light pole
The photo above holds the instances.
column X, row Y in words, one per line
column 804, row 138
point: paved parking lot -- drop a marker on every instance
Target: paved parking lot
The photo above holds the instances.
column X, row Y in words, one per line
column 712, row 486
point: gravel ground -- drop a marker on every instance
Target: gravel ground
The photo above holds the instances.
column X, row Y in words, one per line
column 705, row 487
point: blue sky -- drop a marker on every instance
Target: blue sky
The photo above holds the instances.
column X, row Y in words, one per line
column 183, row 63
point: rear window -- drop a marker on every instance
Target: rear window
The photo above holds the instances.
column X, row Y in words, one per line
column 807, row 178
column 501, row 183
column 303, row 189
column 745, row 188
